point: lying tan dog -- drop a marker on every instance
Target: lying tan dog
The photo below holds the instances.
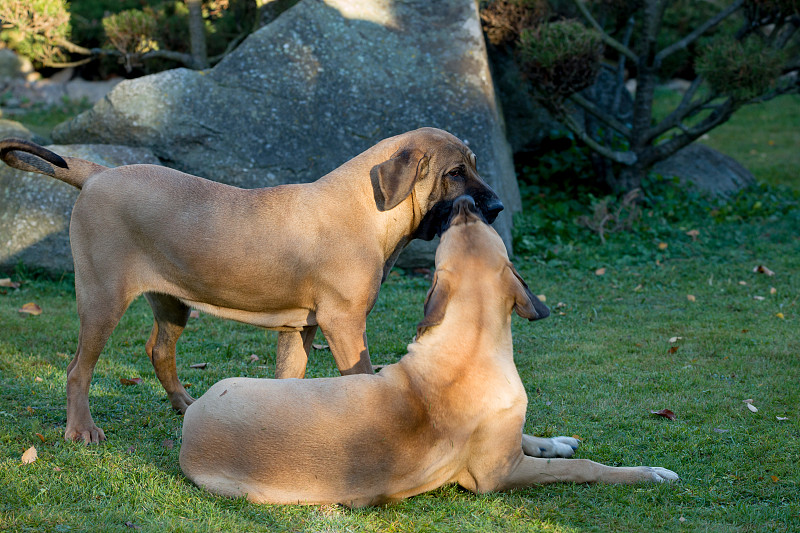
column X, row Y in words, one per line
column 451, row 411
column 289, row 258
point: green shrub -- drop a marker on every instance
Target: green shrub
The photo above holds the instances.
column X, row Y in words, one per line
column 34, row 26
column 561, row 58
column 743, row 70
column 131, row 31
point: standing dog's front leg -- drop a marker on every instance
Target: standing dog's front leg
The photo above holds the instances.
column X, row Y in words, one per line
column 536, row 471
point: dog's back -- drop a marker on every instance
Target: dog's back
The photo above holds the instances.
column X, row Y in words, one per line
column 357, row 440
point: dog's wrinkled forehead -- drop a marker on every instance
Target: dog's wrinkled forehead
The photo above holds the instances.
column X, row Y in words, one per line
column 443, row 146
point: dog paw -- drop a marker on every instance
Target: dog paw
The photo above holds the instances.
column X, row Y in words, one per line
column 89, row 435
column 661, row 475
column 563, row 447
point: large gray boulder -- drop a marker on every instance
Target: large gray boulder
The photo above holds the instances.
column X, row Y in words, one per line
column 12, row 128
column 320, row 84
column 707, row 170
column 35, row 209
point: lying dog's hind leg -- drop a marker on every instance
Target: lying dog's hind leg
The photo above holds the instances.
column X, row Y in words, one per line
column 291, row 353
column 555, row 447
column 170, row 318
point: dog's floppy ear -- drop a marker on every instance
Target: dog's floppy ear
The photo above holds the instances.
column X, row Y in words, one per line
column 525, row 303
column 435, row 303
column 393, row 179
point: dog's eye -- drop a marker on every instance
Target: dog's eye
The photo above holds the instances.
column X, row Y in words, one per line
column 456, row 173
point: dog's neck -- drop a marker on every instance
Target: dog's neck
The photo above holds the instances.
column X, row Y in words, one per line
column 477, row 338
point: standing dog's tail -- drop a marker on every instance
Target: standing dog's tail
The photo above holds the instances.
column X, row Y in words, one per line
column 31, row 157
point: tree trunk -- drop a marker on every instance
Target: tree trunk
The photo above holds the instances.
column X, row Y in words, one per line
column 197, row 33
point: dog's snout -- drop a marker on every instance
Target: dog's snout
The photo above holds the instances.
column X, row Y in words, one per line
column 493, row 208
column 464, row 203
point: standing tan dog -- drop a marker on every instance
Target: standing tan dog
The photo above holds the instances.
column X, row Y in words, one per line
column 451, row 411
column 288, row 258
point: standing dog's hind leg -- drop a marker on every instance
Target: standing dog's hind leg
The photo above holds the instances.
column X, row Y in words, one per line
column 97, row 322
column 170, row 319
column 291, row 352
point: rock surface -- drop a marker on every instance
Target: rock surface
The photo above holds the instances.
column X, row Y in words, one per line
column 320, row 84
column 35, row 209
column 707, row 170
column 12, row 128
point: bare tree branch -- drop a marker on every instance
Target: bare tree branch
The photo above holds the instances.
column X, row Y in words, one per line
column 661, row 151
column 626, row 158
column 610, row 41
column 689, row 39
column 687, row 108
column 608, row 119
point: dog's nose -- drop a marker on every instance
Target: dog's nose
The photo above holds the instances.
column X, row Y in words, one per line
column 464, row 203
column 493, row 208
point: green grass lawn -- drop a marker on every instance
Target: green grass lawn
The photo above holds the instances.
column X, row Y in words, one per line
column 596, row 369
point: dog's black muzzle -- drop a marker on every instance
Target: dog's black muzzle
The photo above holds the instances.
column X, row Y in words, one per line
column 485, row 204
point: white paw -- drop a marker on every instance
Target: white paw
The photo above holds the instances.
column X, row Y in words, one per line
column 661, row 475
column 555, row 447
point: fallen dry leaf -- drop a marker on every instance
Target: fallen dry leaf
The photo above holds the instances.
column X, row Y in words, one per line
column 666, row 413
column 663, row 246
column 318, row 346
column 773, row 290
column 638, row 287
column 753, row 408
column 600, row 271
column 6, row 282
column 30, row 409
column 201, row 366
column 742, row 283
column 782, row 418
column 130, row 381
column 38, row 379
column 779, row 315
column 29, row 456
column 673, row 340
column 693, row 233
column 758, row 298
column 774, row 479
column 31, row 308
column 41, row 437
column 253, row 358
column 673, row 349
column 761, row 269
column 691, row 298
